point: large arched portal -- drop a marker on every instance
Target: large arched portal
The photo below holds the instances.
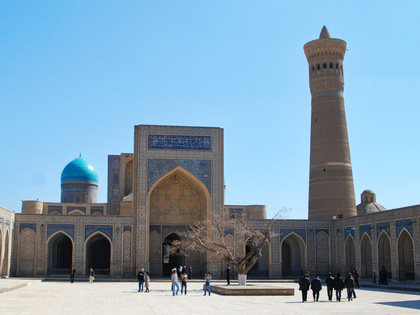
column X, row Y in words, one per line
column 60, row 254
column 384, row 253
column 366, row 257
column 98, row 254
column 262, row 266
column 405, row 256
column 293, row 256
column 350, row 255
column 169, row 259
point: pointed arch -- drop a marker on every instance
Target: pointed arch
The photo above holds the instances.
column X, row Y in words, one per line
column 293, row 255
column 60, row 253
column 384, row 252
column 6, row 255
column 322, row 252
column 26, row 252
column 169, row 260
column 366, row 256
column 405, row 256
column 350, row 254
column 262, row 268
column 98, row 253
column 76, row 212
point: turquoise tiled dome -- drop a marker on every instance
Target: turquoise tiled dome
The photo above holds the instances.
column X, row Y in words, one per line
column 80, row 170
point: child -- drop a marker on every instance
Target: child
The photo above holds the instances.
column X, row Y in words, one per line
column 147, row 281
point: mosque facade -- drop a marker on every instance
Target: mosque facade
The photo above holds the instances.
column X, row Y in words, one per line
column 174, row 178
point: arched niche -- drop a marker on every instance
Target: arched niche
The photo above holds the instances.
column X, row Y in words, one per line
column 322, row 253
column 261, row 269
column 98, row 253
column 350, row 254
column 60, row 253
column 26, row 253
column 366, row 257
column 384, row 253
column 171, row 260
column 293, row 256
column 405, row 256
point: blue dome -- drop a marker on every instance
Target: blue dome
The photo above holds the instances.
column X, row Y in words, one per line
column 79, row 169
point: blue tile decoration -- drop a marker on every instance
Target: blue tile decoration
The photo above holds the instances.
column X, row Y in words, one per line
column 105, row 229
column 326, row 231
column 127, row 228
column 285, row 232
column 71, row 208
column 365, row 229
column 406, row 223
column 338, row 230
column 349, row 231
column 179, row 142
column 31, row 226
column 233, row 211
column 383, row 226
column 95, row 209
column 199, row 168
column 229, row 232
column 59, row 209
column 67, row 228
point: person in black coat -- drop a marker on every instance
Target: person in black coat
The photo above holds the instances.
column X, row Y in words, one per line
column 72, row 274
column 228, row 274
column 330, row 286
column 338, row 286
column 304, row 285
column 140, row 279
column 349, row 283
column 316, row 286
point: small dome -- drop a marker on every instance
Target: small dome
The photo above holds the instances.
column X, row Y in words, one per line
column 79, row 170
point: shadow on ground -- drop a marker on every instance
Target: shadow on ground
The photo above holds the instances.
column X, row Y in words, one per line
column 408, row 304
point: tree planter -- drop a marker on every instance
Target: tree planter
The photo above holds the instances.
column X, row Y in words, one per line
column 242, row 279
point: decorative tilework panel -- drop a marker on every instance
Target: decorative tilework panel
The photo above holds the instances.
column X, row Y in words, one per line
column 286, row 232
column 179, row 142
column 95, row 209
column 67, row 228
column 229, row 232
column 349, row 231
column 326, row 231
column 71, row 208
column 106, row 229
column 199, row 168
column 383, row 226
column 59, row 209
column 406, row 223
column 168, row 229
column 127, row 228
column 365, row 229
column 233, row 211
column 31, row 226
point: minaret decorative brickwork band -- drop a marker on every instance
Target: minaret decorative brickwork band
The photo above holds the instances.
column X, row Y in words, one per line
column 331, row 188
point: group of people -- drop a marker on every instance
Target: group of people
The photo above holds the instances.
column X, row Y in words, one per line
column 338, row 284
column 73, row 274
column 144, row 280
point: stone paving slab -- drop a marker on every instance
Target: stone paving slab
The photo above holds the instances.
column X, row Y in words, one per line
column 123, row 298
column 7, row 285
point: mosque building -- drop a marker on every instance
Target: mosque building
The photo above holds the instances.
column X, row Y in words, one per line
column 175, row 177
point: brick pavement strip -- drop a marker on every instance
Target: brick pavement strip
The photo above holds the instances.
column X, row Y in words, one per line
column 123, row 298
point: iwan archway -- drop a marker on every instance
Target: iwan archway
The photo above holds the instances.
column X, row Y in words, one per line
column 98, row 254
column 175, row 201
column 293, row 256
column 60, row 254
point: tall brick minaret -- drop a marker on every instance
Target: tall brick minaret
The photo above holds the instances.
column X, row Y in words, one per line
column 331, row 188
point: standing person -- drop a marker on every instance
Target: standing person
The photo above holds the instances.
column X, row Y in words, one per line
column 91, row 276
column 184, row 278
column 330, row 286
column 72, row 274
column 207, row 278
column 338, row 286
column 304, row 284
column 190, row 273
column 356, row 279
column 147, row 281
column 140, row 279
column 228, row 274
column 349, row 283
column 374, row 278
column 174, row 279
column 383, row 276
column 316, row 286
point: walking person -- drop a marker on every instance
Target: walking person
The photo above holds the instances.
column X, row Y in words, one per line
column 140, row 279
column 316, row 286
column 174, row 279
column 91, row 276
column 147, row 281
column 356, row 279
column 207, row 278
column 184, row 278
column 349, row 283
column 190, row 273
column 72, row 274
column 304, row 284
column 338, row 286
column 228, row 274
column 330, row 286
column 374, row 278
column 383, row 276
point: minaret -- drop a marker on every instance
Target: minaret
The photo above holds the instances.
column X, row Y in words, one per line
column 331, row 188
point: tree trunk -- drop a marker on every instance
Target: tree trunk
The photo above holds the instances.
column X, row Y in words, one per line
column 242, row 279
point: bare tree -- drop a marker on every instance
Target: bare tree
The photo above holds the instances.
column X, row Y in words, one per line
column 211, row 236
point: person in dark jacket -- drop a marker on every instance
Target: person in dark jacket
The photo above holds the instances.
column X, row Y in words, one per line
column 349, row 283
column 140, row 279
column 316, row 286
column 330, row 286
column 72, row 274
column 304, row 284
column 228, row 274
column 338, row 286
column 356, row 279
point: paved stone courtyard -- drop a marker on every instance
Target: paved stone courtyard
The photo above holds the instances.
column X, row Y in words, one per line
column 123, row 298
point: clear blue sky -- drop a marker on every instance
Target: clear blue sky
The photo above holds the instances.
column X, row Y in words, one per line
column 76, row 76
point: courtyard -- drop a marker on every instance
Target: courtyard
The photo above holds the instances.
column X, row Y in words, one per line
column 122, row 298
